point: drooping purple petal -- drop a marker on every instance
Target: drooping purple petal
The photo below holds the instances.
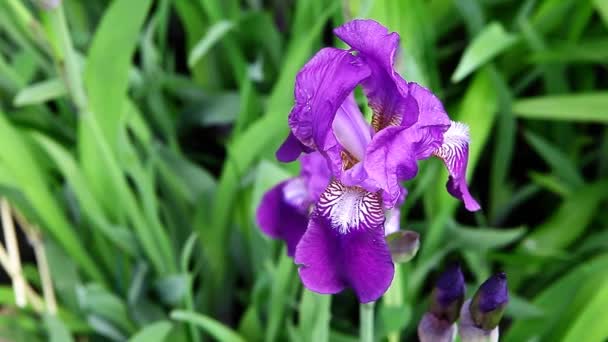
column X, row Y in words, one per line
column 385, row 88
column 344, row 245
column 350, row 129
column 291, row 149
column 282, row 216
column 322, row 85
column 455, row 154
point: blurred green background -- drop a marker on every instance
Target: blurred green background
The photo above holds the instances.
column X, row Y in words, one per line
column 137, row 137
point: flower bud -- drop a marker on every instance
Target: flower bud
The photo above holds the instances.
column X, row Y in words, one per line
column 438, row 325
column 448, row 295
column 490, row 301
column 432, row 329
column 403, row 245
column 480, row 316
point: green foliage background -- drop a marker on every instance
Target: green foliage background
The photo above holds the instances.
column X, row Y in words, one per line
column 139, row 136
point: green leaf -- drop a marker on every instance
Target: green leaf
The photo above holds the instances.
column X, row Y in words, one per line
column 40, row 92
column 565, row 168
column 590, row 323
column 109, row 62
column 172, row 288
column 569, row 221
column 602, row 7
column 589, row 107
column 489, row 43
column 214, row 328
column 563, row 300
column 155, row 332
column 215, row 33
column 96, row 300
column 56, row 330
column 469, row 238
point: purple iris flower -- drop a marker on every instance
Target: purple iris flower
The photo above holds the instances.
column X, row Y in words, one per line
column 343, row 244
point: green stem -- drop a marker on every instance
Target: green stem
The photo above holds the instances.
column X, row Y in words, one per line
column 366, row 317
column 394, row 298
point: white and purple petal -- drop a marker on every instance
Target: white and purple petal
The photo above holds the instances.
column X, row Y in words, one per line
column 283, row 212
column 344, row 245
column 455, row 154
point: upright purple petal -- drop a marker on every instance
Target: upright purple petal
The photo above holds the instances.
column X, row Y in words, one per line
column 344, row 245
column 350, row 129
column 385, row 88
column 322, row 85
column 284, row 217
column 455, row 154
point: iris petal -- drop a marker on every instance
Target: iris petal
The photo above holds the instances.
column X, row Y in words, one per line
column 280, row 219
column 350, row 129
column 321, row 87
column 344, row 245
column 291, row 149
column 455, row 154
column 385, row 89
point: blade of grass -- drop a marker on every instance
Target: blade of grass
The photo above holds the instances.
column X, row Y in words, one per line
column 214, row 328
column 40, row 92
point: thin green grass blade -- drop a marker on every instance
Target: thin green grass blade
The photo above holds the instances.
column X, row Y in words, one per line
column 155, row 332
column 214, row 34
column 214, row 328
column 40, row 92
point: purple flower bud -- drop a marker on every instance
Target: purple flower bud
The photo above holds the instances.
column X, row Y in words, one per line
column 448, row 295
column 490, row 301
column 470, row 332
column 403, row 245
column 432, row 329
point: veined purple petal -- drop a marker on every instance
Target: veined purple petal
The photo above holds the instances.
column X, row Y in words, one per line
column 385, row 89
column 279, row 218
column 344, row 245
column 322, row 85
column 455, row 154
column 350, row 129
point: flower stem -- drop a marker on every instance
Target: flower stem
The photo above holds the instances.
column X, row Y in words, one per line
column 366, row 318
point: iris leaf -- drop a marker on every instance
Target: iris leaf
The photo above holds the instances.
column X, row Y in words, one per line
column 588, row 107
column 489, row 43
column 40, row 92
